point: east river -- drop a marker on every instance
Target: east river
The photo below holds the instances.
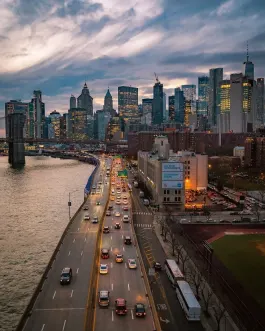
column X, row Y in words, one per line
column 33, row 215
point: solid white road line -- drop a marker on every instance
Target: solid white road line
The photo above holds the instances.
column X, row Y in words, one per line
column 69, row 253
column 78, row 229
column 73, row 240
column 54, row 295
column 64, row 325
column 111, row 265
column 110, row 237
column 128, row 287
column 112, row 287
column 132, row 314
column 81, row 253
column 72, row 294
column 77, row 270
column 112, row 316
column 125, row 265
column 43, row 327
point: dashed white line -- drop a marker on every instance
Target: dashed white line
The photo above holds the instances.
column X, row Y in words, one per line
column 73, row 240
column 43, row 327
column 85, row 238
column 112, row 316
column 81, row 253
column 132, row 314
column 111, row 248
column 112, row 287
column 110, row 237
column 72, row 294
column 125, row 265
column 122, row 236
column 123, row 248
column 111, row 265
column 77, row 270
column 78, row 229
column 69, row 253
column 128, row 287
column 64, row 325
column 54, row 295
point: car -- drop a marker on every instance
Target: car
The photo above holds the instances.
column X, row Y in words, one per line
column 117, row 226
column 95, row 219
column 139, row 309
column 125, row 202
column 127, row 240
column 94, row 187
column 112, row 198
column 125, row 208
column 104, row 253
column 119, row 258
column 85, row 208
column 105, row 229
column 98, row 191
column 123, row 190
column 118, row 202
column 110, row 207
column 66, row 276
column 126, row 218
column 157, row 266
column 86, row 217
column 117, row 214
column 132, row 264
column 108, row 213
column 103, row 298
column 120, row 306
column 118, row 197
column 103, row 269
column 124, row 198
column 98, row 203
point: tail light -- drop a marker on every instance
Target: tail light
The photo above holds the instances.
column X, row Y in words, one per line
column 125, row 310
column 144, row 313
column 116, row 310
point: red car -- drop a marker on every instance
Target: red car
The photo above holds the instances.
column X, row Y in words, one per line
column 104, row 253
column 125, row 208
column 120, row 306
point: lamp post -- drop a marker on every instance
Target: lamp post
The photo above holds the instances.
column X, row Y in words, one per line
column 70, row 204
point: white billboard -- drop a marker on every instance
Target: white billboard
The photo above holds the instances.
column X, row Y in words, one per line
column 172, row 184
column 172, row 166
column 172, row 176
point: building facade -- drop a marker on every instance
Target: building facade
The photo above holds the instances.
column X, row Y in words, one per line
column 158, row 104
column 38, row 108
column 260, row 101
column 85, row 101
column 72, row 102
column 189, row 92
column 171, row 107
column 78, row 123
column 102, row 119
column 179, row 106
column 54, row 127
column 128, row 102
column 203, row 95
column 17, row 106
column 236, row 103
column 147, row 106
column 215, row 77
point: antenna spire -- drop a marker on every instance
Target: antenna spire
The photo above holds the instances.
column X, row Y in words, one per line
column 247, row 52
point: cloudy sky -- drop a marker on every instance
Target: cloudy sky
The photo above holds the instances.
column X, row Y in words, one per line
column 55, row 45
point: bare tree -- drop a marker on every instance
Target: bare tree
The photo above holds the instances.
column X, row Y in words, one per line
column 178, row 250
column 162, row 223
column 196, row 278
column 219, row 313
column 184, row 259
column 206, row 294
column 172, row 239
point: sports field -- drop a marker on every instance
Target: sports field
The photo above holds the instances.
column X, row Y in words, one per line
column 244, row 256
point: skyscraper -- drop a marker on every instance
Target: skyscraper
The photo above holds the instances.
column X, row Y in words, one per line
column 165, row 112
column 179, row 106
column 78, row 118
column 108, row 103
column 189, row 92
column 72, row 101
column 128, row 102
column 236, row 103
column 102, row 119
column 85, row 100
column 158, row 97
column 38, row 108
column 248, row 67
column 203, row 95
column 147, row 106
column 216, row 76
column 260, row 100
column 54, row 126
column 171, row 107
column 224, row 97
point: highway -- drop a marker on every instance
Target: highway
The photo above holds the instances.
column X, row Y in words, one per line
column 63, row 308
column 171, row 315
column 121, row 282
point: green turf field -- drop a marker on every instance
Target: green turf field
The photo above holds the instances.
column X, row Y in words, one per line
column 244, row 256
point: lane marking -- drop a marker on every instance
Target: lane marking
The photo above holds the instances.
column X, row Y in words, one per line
column 73, row 240
column 122, row 236
column 112, row 316
column 110, row 237
column 81, row 253
column 77, row 270
column 123, row 248
column 132, row 314
column 69, row 253
column 72, row 294
column 112, row 287
column 54, row 295
column 43, row 327
column 111, row 265
column 59, row 309
column 64, row 325
column 85, row 238
column 111, row 248
column 125, row 265
column 78, row 229
column 128, row 287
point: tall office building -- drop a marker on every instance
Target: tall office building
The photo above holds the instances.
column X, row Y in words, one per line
column 78, row 123
column 85, row 100
column 179, row 106
column 189, row 92
column 37, row 107
column 108, row 102
column 128, row 102
column 224, row 101
column 64, row 126
column 102, row 119
column 54, row 126
column 165, row 112
column 203, row 95
column 236, row 103
column 260, row 101
column 158, row 103
column 248, row 68
column 147, row 106
column 171, row 107
column 14, row 106
column 215, row 77
column 72, row 101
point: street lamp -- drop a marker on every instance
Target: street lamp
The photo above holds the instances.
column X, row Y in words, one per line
column 70, row 204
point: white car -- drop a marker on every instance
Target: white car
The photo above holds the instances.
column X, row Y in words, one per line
column 118, row 202
column 95, row 219
column 117, row 214
column 86, row 218
column 126, row 218
column 132, row 264
column 103, row 269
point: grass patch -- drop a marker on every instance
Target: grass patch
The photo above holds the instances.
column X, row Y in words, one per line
column 244, row 256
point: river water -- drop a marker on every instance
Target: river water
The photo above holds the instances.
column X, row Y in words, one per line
column 33, row 215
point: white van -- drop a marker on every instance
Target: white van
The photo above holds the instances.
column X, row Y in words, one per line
column 146, row 202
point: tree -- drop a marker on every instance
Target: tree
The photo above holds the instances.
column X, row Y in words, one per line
column 162, row 223
column 184, row 258
column 219, row 313
column 196, row 279
column 206, row 294
column 178, row 250
column 172, row 239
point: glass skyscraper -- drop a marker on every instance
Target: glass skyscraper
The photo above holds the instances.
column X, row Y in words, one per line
column 203, row 95
column 158, row 103
column 215, row 78
column 128, row 102
column 85, row 101
column 260, row 100
column 171, row 107
column 179, row 106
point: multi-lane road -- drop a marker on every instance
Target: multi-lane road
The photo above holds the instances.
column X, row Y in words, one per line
column 121, row 282
column 63, row 308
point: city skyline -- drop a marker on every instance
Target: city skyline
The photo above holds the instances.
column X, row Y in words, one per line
column 62, row 70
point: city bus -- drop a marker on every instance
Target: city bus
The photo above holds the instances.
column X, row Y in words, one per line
column 188, row 302
column 173, row 272
column 129, row 187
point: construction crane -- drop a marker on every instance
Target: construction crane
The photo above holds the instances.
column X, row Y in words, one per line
column 156, row 77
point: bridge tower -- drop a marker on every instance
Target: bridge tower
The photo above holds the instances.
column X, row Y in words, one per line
column 16, row 154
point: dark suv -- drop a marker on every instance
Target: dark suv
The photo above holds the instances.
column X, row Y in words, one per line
column 66, row 276
column 127, row 240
